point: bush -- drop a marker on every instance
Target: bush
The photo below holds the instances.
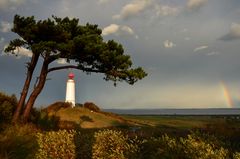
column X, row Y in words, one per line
column 84, row 141
column 163, row 147
column 56, row 106
column 56, row 144
column 197, row 148
column 46, row 122
column 191, row 147
column 18, row 142
column 91, row 106
column 7, row 107
column 112, row 144
column 236, row 155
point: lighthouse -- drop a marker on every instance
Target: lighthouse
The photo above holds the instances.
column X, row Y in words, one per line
column 70, row 90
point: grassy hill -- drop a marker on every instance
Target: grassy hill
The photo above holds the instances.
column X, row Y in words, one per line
column 84, row 117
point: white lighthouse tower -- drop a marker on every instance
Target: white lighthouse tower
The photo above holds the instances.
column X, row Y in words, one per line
column 70, row 90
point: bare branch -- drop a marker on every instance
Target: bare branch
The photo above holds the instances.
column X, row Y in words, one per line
column 74, row 67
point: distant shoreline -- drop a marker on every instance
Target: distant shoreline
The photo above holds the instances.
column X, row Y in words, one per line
column 170, row 111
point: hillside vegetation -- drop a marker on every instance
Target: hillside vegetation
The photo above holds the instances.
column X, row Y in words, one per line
column 86, row 116
column 86, row 132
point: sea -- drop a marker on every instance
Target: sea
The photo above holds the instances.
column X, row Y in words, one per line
column 210, row 111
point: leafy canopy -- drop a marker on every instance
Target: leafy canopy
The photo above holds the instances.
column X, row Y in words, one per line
column 65, row 38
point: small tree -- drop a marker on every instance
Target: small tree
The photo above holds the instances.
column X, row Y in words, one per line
column 56, row 38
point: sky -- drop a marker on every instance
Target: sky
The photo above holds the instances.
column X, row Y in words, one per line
column 189, row 48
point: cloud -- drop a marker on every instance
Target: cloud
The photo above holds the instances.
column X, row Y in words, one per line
column 62, row 61
column 233, row 34
column 165, row 10
column 133, row 9
column 213, row 53
column 196, row 4
column 20, row 51
column 113, row 28
column 103, row 1
column 200, row 48
column 127, row 29
column 10, row 4
column 5, row 26
column 169, row 44
column 117, row 30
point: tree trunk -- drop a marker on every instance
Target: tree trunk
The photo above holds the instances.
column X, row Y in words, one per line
column 25, row 89
column 37, row 90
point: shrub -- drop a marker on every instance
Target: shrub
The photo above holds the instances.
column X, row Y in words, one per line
column 47, row 122
column 18, row 142
column 236, row 155
column 7, row 107
column 91, row 106
column 191, row 147
column 56, row 144
column 197, row 148
column 78, row 105
column 56, row 106
column 163, row 147
column 112, row 144
column 84, row 141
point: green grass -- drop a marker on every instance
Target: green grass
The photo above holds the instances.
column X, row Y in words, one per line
column 86, row 118
column 181, row 122
column 19, row 141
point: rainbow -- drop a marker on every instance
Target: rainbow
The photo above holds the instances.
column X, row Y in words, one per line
column 226, row 94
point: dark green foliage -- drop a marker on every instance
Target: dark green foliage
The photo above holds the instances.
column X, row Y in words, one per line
column 84, row 140
column 91, row 106
column 18, row 142
column 7, row 107
column 46, row 122
column 56, row 38
column 65, row 38
column 78, row 105
column 56, row 106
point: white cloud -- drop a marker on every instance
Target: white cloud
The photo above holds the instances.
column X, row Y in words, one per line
column 168, row 44
column 113, row 28
column 213, row 53
column 127, row 29
column 196, row 4
column 5, row 26
column 233, row 34
column 10, row 4
column 62, row 61
column 187, row 38
column 117, row 30
column 21, row 51
column 200, row 48
column 132, row 9
column 165, row 10
column 103, row 1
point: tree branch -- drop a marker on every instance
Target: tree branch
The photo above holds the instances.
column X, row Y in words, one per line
column 74, row 67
